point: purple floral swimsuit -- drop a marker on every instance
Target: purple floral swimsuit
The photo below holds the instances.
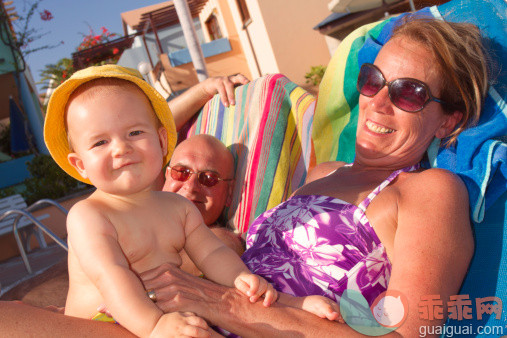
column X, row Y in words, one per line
column 320, row 245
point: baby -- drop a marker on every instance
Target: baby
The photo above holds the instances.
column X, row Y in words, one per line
column 107, row 127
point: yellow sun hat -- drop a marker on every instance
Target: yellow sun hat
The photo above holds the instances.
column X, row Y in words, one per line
column 55, row 135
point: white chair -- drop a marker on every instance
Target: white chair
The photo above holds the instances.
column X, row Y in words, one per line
column 15, row 216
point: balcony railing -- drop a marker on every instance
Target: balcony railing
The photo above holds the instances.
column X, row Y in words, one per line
column 212, row 48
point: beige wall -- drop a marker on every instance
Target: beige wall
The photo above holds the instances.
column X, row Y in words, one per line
column 281, row 37
column 260, row 37
column 296, row 45
column 255, row 40
column 235, row 60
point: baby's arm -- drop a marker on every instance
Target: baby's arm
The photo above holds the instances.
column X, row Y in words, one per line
column 219, row 263
column 318, row 305
column 93, row 240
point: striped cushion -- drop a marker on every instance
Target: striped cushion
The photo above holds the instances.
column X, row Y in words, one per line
column 269, row 133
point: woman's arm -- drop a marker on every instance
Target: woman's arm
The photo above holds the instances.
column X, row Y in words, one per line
column 184, row 106
column 320, row 306
column 21, row 320
column 229, row 309
column 433, row 245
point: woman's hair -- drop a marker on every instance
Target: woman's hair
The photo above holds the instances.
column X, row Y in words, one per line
column 462, row 63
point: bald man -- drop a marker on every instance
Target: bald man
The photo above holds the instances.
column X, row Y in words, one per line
column 202, row 170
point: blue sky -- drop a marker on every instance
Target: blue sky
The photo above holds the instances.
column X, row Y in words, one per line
column 71, row 20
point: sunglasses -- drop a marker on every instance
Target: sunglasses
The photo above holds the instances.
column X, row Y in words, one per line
column 407, row 94
column 205, row 178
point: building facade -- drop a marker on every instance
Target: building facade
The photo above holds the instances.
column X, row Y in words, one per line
column 252, row 37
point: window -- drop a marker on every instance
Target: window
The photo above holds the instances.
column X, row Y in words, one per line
column 213, row 28
column 243, row 11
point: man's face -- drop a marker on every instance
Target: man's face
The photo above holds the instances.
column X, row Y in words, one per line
column 199, row 154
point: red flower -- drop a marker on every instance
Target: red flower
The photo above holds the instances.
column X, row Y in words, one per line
column 46, row 15
column 64, row 74
column 115, row 51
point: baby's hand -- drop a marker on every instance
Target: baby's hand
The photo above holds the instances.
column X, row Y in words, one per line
column 322, row 307
column 255, row 286
column 178, row 324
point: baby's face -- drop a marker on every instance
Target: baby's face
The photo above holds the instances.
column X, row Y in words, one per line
column 116, row 141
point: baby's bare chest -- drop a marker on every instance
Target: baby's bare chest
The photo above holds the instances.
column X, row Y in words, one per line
column 149, row 238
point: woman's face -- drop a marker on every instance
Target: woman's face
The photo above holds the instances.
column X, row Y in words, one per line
column 388, row 136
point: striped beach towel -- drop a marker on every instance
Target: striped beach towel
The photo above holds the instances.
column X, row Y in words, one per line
column 269, row 133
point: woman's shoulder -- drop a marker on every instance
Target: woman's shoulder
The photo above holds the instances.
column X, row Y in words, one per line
column 323, row 169
column 435, row 182
column 434, row 176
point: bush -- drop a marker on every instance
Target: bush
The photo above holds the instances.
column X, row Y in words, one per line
column 6, row 192
column 48, row 180
column 5, row 139
column 314, row 76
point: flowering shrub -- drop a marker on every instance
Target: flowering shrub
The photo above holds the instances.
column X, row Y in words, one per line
column 93, row 39
column 54, row 74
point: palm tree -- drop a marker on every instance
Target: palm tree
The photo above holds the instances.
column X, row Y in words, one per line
column 54, row 74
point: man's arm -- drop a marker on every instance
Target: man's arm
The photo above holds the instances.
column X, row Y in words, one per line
column 184, row 106
column 229, row 309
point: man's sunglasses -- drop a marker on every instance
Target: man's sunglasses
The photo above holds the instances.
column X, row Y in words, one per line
column 408, row 94
column 205, row 178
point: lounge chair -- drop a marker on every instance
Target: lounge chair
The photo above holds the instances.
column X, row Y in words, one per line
column 16, row 217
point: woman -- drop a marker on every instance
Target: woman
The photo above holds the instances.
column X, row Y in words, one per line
column 428, row 80
column 381, row 220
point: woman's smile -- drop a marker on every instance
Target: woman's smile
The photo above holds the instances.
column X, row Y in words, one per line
column 377, row 128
